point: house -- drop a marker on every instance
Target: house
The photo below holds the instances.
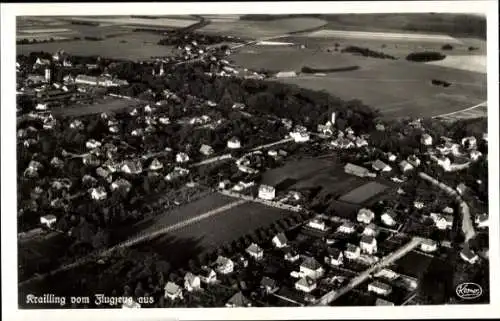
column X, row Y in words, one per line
column 357, row 170
column 121, row 184
column 334, row 257
column 233, row 143
column 181, row 158
column 418, row 205
column 207, row 275
column 428, row 245
column 426, row 140
column 370, row 230
column 469, row 142
column 360, row 142
column 461, row 188
column 414, row 160
column 382, row 302
column 442, row 222
column 475, row 155
column 311, row 268
column 448, row 210
column 268, row 285
column 365, row 216
column 444, row 162
column 347, row 228
column 482, row 220
column 241, row 260
column 206, row 150
column 131, row 167
column 299, row 135
column 469, row 256
column 368, row 244
column 267, row 192
column 379, row 165
column 387, row 274
column 380, row 288
column 224, row 184
column 91, row 160
column 279, row 240
column 48, row 220
column 286, row 74
column 317, row 224
column 92, row 143
column 405, row 166
column 305, row 284
column 41, row 62
column 155, row 165
column 255, row 251
column 173, row 291
column 325, row 129
column 98, row 193
column 191, row 282
column 238, row 301
column 389, row 218
column 224, row 265
column 40, row 106
column 342, row 143
column 292, row 255
column 380, row 127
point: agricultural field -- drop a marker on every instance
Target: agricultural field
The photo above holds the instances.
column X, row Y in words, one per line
column 103, row 106
column 206, row 235
column 363, row 193
column 261, row 29
column 121, row 20
column 402, row 88
column 414, row 264
column 132, row 46
column 476, row 63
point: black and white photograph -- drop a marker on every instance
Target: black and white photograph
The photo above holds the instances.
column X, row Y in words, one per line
column 164, row 156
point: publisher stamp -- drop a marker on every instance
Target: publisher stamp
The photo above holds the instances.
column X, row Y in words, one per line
column 469, row 290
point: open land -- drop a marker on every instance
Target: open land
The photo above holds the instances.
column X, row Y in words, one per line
column 253, row 29
column 363, row 193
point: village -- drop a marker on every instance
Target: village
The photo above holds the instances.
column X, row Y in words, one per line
column 315, row 262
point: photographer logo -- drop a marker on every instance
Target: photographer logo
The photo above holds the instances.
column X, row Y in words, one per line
column 469, row 291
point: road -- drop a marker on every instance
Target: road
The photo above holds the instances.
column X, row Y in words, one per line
column 365, row 275
column 467, row 225
column 135, row 240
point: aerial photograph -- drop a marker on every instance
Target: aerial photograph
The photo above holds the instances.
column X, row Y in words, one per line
column 252, row 160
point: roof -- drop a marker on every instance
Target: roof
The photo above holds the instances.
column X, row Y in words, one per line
column 307, row 281
column 254, row 248
column 267, row 281
column 281, row 237
column 222, row 260
column 367, row 239
column 378, row 164
column 206, row 271
column 381, row 285
column 238, row 300
column 172, row 288
column 190, row 277
column 355, row 168
column 49, row 217
column 311, row 263
column 334, row 252
column 380, row 301
column 351, row 248
column 468, row 253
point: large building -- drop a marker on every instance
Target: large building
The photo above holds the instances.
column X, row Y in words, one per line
column 267, row 192
column 357, row 170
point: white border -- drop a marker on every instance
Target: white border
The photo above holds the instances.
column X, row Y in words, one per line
column 8, row 152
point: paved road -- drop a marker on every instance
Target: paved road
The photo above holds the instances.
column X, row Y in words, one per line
column 365, row 275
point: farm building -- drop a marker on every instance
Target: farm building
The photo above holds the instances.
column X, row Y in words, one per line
column 357, row 170
column 347, row 228
column 286, row 74
column 267, row 192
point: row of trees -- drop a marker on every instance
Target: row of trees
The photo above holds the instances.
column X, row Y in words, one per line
column 367, row 52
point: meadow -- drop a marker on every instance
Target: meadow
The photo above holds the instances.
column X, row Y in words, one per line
column 363, row 193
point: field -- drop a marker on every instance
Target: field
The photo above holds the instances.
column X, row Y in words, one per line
column 133, row 46
column 363, row 193
column 475, row 63
column 106, row 105
column 123, row 20
column 260, row 29
column 414, row 264
column 310, row 174
column 183, row 244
